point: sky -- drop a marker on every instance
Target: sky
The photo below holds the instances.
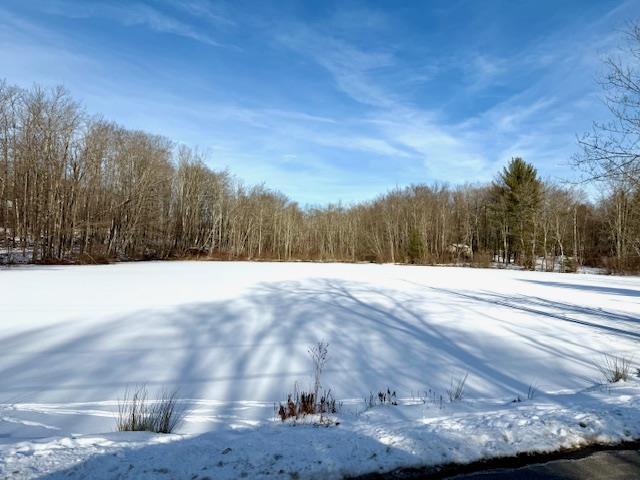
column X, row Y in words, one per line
column 332, row 101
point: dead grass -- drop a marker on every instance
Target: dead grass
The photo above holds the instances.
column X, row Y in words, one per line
column 316, row 402
column 136, row 413
column 381, row 398
column 300, row 404
column 615, row 369
column 456, row 390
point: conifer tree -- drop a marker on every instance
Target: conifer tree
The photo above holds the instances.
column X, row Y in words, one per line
column 518, row 199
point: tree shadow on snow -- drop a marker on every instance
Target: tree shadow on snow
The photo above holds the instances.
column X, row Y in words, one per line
column 554, row 309
column 307, row 451
column 226, row 354
column 280, row 451
column 626, row 292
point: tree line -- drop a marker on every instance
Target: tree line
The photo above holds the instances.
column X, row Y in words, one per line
column 79, row 188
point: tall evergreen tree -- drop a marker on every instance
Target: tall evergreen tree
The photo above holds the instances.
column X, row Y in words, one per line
column 415, row 248
column 518, row 200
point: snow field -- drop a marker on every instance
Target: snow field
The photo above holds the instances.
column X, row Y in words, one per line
column 233, row 338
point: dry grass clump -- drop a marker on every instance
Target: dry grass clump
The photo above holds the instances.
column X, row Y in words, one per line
column 381, row 398
column 300, row 404
column 456, row 390
column 614, row 369
column 136, row 413
column 319, row 401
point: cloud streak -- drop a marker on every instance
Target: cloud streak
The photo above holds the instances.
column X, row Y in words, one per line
column 130, row 14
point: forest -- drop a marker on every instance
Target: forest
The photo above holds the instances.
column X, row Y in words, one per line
column 78, row 188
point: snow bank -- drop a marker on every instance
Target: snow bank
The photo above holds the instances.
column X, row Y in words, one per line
column 376, row 440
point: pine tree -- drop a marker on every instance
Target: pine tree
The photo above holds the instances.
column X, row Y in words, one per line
column 415, row 249
column 519, row 195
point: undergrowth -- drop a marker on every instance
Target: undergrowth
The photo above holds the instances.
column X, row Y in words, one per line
column 136, row 413
column 615, row 369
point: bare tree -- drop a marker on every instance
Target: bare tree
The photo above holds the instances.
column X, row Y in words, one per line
column 611, row 151
column 79, row 188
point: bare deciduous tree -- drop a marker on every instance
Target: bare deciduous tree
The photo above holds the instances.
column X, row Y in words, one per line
column 79, row 188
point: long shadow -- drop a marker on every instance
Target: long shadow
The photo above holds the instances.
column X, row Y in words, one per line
column 254, row 348
column 279, row 451
column 306, row 451
column 627, row 292
column 417, row 336
column 287, row 312
column 526, row 304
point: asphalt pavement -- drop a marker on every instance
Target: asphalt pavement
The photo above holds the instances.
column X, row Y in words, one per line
column 605, row 465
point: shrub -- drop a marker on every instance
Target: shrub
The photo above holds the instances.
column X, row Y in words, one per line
column 529, row 262
column 614, row 369
column 568, row 265
column 456, row 390
column 136, row 413
column 300, row 404
column 95, row 259
column 627, row 266
column 381, row 398
column 319, row 354
column 481, row 260
column 531, row 392
column 370, row 258
column 432, row 397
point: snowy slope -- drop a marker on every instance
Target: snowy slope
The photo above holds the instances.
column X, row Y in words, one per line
column 233, row 338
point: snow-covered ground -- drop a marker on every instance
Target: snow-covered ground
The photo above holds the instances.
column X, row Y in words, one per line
column 233, row 338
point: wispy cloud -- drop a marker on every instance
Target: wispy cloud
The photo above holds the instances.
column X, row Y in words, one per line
column 400, row 128
column 131, row 14
column 349, row 65
column 527, row 122
column 341, row 105
column 213, row 13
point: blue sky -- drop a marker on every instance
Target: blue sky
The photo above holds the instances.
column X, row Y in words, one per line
column 329, row 101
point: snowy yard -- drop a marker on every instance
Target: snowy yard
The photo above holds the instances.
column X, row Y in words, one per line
column 233, row 337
